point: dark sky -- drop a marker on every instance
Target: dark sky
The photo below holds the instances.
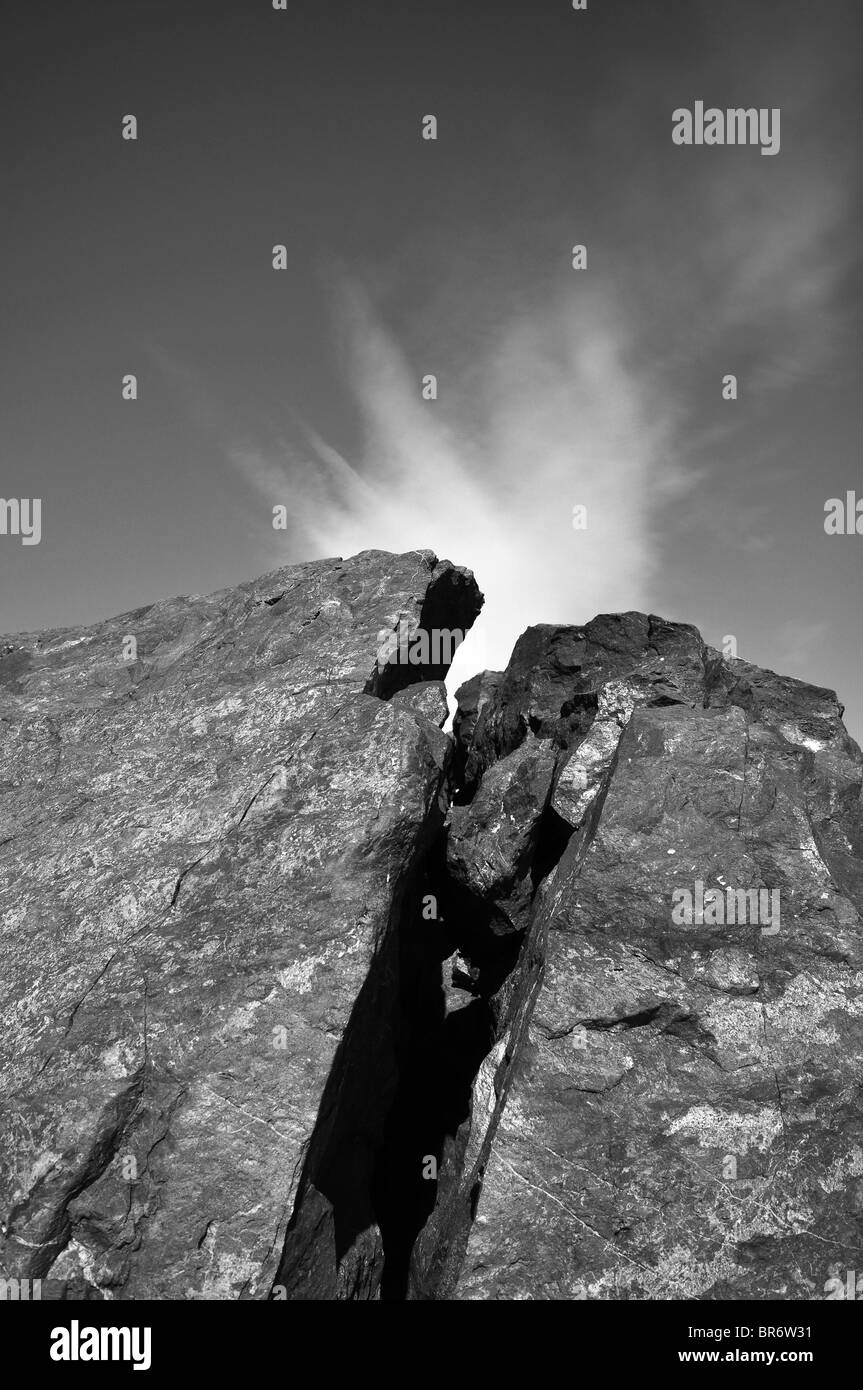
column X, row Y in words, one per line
column 556, row 387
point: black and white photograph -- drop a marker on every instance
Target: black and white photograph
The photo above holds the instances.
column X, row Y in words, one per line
column 431, row 681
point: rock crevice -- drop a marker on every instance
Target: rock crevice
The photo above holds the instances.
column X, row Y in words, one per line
column 305, row 999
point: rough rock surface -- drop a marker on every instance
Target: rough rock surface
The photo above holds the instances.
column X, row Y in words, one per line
column 203, row 854
column 302, row 998
column 684, row 1121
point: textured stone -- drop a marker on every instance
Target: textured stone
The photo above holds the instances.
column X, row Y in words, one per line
column 302, row 998
column 427, row 698
column 684, row 1121
column 204, row 851
column 491, row 841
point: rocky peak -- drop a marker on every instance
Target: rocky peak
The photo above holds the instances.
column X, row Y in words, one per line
column 304, row 999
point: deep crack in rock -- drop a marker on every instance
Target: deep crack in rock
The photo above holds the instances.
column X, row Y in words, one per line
column 423, row 1023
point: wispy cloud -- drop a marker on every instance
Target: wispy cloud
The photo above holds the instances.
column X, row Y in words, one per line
column 558, row 389
column 556, row 416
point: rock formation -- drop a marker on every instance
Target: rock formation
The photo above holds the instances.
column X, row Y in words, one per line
column 303, row 998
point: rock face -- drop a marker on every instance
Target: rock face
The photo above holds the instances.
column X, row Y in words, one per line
column 302, row 998
column 205, row 851
column 683, row 1116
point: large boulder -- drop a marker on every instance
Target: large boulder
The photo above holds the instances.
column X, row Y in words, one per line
column 683, row 1117
column 209, row 822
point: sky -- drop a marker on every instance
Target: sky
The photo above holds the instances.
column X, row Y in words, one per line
column 557, row 387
